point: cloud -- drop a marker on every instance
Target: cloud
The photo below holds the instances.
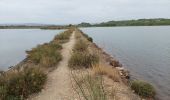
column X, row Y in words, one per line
column 76, row 11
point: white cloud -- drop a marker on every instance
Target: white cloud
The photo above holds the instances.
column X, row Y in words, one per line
column 76, row 11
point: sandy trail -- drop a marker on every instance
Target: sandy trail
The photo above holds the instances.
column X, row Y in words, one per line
column 59, row 85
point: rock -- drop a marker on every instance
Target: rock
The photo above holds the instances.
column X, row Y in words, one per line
column 127, row 77
column 115, row 63
column 124, row 73
column 120, row 68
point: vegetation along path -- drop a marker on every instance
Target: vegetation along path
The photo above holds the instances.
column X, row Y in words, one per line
column 58, row 86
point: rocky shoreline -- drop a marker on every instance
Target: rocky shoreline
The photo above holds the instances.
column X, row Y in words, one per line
column 111, row 61
column 147, row 89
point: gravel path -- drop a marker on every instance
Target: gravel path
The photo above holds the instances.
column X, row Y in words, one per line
column 59, row 86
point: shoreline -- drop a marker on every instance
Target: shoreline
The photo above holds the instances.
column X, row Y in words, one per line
column 111, row 61
column 106, row 58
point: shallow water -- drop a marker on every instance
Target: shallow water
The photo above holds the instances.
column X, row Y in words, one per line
column 144, row 51
column 14, row 43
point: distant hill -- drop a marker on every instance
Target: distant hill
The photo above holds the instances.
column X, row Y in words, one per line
column 139, row 22
column 84, row 24
column 31, row 26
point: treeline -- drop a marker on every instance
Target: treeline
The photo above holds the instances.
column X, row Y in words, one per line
column 139, row 22
column 51, row 27
column 19, row 27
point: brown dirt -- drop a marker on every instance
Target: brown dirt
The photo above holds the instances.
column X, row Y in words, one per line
column 59, row 86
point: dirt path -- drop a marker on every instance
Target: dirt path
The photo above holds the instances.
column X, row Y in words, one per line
column 59, row 85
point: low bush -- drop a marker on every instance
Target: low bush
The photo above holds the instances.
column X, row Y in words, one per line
column 82, row 60
column 80, row 46
column 46, row 55
column 18, row 85
column 64, row 36
column 143, row 89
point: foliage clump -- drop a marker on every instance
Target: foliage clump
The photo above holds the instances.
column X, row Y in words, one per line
column 143, row 89
column 18, row 85
column 46, row 55
column 82, row 60
column 80, row 46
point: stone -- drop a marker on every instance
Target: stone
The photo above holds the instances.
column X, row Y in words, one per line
column 115, row 63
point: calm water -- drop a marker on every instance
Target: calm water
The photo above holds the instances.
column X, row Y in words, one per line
column 145, row 51
column 14, row 42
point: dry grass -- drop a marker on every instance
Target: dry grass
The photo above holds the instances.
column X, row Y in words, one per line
column 105, row 70
column 89, row 87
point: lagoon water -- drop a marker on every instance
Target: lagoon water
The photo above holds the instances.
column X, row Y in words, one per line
column 144, row 51
column 14, row 43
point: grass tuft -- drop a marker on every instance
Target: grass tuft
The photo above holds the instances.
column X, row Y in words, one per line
column 89, row 87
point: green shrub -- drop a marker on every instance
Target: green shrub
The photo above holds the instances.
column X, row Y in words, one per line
column 82, row 59
column 80, row 46
column 18, row 85
column 47, row 55
column 143, row 89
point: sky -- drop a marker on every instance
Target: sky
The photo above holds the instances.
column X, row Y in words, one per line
column 77, row 11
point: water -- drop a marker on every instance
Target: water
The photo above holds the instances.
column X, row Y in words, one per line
column 144, row 51
column 14, row 43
